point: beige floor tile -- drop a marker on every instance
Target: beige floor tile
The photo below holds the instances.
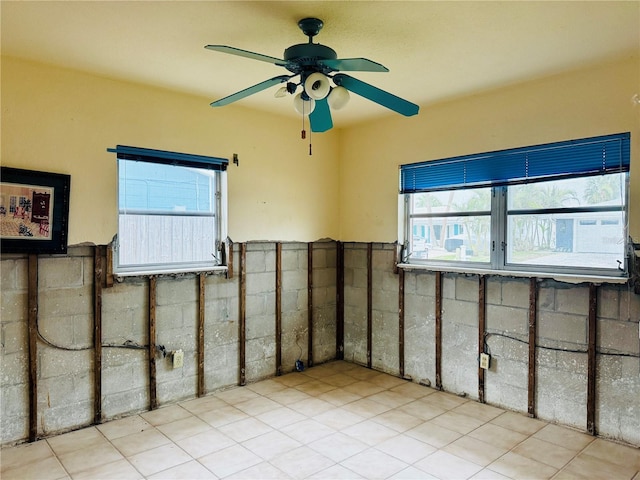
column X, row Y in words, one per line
column 338, row 446
column 586, row 466
column 564, row 436
column 205, row 443
column 397, row 420
column 41, row 469
column 261, row 471
column 487, row 474
column 159, row 459
column 518, row 467
column 123, row 427
column 256, row 406
column 315, row 387
column 412, row 473
column 245, row 429
column 457, row 422
column 320, row 371
column 544, row 452
column 165, row 415
column 366, row 408
column 370, row 432
column 302, row 462
column 139, row 442
column 192, row 470
column 406, row 448
column 339, row 397
column 288, row 396
column 474, row 450
column 89, row 457
column 280, row 417
column 390, row 399
column 203, row 404
column 187, row 427
column 236, row 395
column 497, row 436
column 446, row 466
column 374, row 464
column 433, row 434
column 78, row 440
column 339, row 380
column 338, row 418
column 292, row 379
column 24, row 454
column 386, row 381
column 223, row 416
column 363, row 373
column 336, row 472
column 363, row 388
column 614, row 453
column 307, row 431
column 422, row 410
column 478, row 410
column 230, row 460
column 413, row 390
column 270, row 445
column 266, row 386
column 518, row 422
column 311, row 407
column 118, row 470
column 444, row 400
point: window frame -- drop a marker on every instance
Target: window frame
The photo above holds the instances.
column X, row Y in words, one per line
column 219, row 214
column 499, row 223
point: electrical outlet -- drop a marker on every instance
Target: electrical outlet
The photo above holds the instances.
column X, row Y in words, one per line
column 485, row 361
column 178, row 359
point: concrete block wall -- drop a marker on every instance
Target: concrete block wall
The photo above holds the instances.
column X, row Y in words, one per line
column 385, row 301
column 561, row 358
column 355, row 303
column 65, row 374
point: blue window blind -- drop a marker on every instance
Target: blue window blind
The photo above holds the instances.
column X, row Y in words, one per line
column 587, row 156
column 169, row 158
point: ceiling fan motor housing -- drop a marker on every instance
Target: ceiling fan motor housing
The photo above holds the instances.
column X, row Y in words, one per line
column 306, row 56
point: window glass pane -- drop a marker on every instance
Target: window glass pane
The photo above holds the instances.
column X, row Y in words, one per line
column 587, row 240
column 471, row 200
column 602, row 190
column 152, row 187
column 455, row 238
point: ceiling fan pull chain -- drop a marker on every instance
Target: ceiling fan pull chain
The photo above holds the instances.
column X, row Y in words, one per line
column 303, row 134
column 310, row 142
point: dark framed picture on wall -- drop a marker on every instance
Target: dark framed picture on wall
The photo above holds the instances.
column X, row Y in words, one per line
column 34, row 211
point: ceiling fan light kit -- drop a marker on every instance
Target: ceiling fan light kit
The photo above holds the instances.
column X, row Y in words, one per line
column 317, row 66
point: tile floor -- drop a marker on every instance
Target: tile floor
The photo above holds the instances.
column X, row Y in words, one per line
column 332, row 421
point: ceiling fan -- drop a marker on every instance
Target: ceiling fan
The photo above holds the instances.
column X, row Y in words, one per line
column 317, row 67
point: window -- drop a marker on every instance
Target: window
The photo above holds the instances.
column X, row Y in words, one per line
column 556, row 208
column 171, row 212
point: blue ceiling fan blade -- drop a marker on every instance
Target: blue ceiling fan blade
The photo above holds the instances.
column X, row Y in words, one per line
column 251, row 90
column 320, row 118
column 353, row 65
column 246, row 54
column 386, row 99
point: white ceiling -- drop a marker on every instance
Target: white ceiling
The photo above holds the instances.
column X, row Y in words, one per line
column 435, row 50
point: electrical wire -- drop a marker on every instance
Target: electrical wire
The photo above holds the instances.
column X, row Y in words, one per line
column 557, row 349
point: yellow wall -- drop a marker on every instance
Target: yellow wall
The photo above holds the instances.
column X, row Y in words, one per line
column 63, row 121
column 591, row 102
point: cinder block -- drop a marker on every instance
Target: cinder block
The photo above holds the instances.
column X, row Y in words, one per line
column 60, row 272
column 458, row 312
column 261, row 283
column 618, row 336
column 608, row 302
column 629, row 306
column 324, row 277
column 467, row 288
column 562, row 327
column 132, row 401
column 172, row 291
column 55, row 363
column 65, row 302
column 574, row 299
column 515, row 293
column 14, row 337
column 507, row 319
column 493, row 294
column 14, row 307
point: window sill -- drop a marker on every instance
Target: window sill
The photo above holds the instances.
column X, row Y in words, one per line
column 566, row 278
column 170, row 272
